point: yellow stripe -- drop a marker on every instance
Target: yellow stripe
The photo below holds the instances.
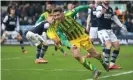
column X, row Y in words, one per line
column 91, row 66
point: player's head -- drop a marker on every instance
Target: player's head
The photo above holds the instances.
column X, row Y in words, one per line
column 106, row 2
column 11, row 10
column 50, row 18
column 70, row 5
column 58, row 13
column 50, row 5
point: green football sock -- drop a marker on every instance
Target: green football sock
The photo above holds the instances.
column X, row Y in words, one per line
column 61, row 49
column 88, row 65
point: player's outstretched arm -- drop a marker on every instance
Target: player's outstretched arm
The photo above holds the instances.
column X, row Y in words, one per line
column 41, row 18
column 79, row 8
column 117, row 21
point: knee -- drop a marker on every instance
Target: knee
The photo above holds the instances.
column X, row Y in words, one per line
column 108, row 44
column 117, row 48
column 73, row 47
column 19, row 38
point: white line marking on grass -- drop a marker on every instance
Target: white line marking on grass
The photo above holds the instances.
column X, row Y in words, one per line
column 52, row 70
column 118, row 74
column 13, row 58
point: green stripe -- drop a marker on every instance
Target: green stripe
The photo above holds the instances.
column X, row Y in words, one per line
column 77, row 32
column 67, row 34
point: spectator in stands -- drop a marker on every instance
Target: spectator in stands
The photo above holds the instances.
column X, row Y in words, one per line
column 117, row 11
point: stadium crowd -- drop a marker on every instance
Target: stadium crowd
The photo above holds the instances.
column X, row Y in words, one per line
column 29, row 12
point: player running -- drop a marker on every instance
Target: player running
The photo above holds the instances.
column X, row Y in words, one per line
column 11, row 27
column 105, row 17
column 75, row 34
column 36, row 36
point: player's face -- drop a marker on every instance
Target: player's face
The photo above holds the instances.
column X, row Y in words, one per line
column 70, row 6
column 59, row 16
column 105, row 2
column 50, row 18
column 50, row 6
column 12, row 11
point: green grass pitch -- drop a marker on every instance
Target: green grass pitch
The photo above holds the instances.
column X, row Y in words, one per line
column 18, row 66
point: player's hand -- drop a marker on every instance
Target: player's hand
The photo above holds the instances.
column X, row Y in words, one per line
column 92, row 6
column 86, row 31
column 125, row 29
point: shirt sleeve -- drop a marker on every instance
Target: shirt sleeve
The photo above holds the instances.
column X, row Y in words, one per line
column 41, row 18
column 46, row 25
column 89, row 11
column 5, row 19
column 4, row 22
column 98, row 11
column 78, row 9
column 17, row 24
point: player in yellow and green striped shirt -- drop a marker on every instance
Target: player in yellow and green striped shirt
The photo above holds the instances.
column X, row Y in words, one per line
column 77, row 37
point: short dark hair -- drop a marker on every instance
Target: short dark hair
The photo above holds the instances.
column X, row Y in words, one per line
column 51, row 2
column 57, row 9
column 9, row 8
column 50, row 11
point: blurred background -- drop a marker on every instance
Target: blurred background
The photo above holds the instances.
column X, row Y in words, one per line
column 29, row 12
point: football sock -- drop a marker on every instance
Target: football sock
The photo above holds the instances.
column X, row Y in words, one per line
column 61, row 49
column 87, row 64
column 103, row 49
column 22, row 45
column 43, row 50
column 114, row 57
column 38, row 50
column 107, row 55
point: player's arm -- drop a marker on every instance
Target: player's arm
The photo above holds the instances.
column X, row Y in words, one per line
column 78, row 9
column 117, row 21
column 4, row 22
column 41, row 18
column 88, row 20
column 99, row 11
column 17, row 24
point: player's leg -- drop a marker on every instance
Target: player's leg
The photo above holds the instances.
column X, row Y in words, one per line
column 93, row 33
column 42, row 53
column 115, row 53
column 4, row 36
column 38, row 51
column 104, row 37
column 87, row 45
column 76, row 54
column 44, row 48
column 37, row 41
column 93, row 37
column 20, row 39
column 58, row 45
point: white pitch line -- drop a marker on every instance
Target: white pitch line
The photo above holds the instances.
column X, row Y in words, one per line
column 13, row 58
column 118, row 74
column 52, row 70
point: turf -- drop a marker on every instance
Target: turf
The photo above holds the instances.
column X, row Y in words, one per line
column 18, row 66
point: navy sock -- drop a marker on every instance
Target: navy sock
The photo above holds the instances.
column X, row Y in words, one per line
column 107, row 55
column 38, row 50
column 21, row 44
column 114, row 55
column 43, row 51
